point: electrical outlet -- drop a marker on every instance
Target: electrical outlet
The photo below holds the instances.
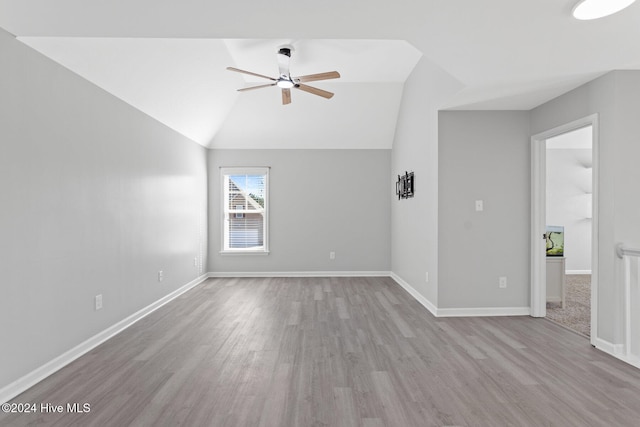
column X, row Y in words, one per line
column 479, row 205
column 426, row 277
column 332, row 255
column 98, row 302
column 502, row 282
column 160, row 276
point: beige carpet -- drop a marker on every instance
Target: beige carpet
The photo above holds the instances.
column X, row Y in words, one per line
column 577, row 313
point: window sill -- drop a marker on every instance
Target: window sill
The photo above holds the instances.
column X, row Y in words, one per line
column 240, row 252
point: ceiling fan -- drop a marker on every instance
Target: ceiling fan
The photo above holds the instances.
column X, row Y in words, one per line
column 286, row 82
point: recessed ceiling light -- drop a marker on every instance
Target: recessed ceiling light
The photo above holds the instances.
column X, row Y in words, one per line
column 594, row 9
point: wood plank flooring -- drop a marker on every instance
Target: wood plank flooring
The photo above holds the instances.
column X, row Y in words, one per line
column 335, row 352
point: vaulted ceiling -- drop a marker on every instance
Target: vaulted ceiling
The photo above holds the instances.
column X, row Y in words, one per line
column 168, row 59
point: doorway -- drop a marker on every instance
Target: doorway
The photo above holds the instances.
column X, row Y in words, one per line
column 564, row 206
column 569, row 187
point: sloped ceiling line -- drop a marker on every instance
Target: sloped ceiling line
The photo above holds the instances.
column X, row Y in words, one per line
column 184, row 84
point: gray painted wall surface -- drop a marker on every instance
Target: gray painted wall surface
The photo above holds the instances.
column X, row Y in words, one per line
column 320, row 201
column 616, row 98
column 484, row 155
column 95, row 198
column 414, row 222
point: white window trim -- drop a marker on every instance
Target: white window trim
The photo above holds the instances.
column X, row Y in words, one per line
column 245, row 170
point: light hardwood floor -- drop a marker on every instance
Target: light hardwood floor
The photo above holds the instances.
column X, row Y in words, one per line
column 335, row 352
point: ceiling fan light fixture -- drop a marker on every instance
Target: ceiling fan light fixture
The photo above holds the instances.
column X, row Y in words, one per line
column 285, row 84
column 594, row 9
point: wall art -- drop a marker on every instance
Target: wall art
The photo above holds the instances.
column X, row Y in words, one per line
column 404, row 186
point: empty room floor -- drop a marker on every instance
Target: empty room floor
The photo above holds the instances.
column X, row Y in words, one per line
column 335, row 352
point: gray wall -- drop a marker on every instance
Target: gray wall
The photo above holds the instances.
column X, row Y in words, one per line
column 484, row 155
column 616, row 98
column 95, row 198
column 320, row 201
column 414, row 222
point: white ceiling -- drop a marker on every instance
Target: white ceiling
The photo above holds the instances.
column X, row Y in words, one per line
column 509, row 54
column 179, row 82
column 359, row 61
column 184, row 84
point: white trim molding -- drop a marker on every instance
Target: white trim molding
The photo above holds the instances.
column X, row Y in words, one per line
column 225, row 233
column 299, row 274
column 484, row 311
column 415, row 294
column 615, row 350
column 538, row 227
column 460, row 312
column 538, row 215
column 587, row 272
column 32, row 378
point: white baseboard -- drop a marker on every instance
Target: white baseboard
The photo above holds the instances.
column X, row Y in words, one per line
column 587, row 272
column 460, row 312
column 32, row 378
column 634, row 360
column 554, row 299
column 616, row 350
column 484, row 311
column 415, row 294
column 299, row 274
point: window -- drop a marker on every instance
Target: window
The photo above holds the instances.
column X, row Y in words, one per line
column 245, row 207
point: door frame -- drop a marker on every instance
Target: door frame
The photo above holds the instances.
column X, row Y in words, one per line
column 538, row 217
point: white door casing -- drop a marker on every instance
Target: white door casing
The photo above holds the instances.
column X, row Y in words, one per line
column 538, row 217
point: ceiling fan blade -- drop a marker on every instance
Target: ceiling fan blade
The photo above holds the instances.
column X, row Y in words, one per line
column 319, row 76
column 314, row 90
column 237, row 70
column 286, row 96
column 255, row 87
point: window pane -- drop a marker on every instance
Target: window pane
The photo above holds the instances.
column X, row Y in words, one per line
column 246, row 190
column 245, row 209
